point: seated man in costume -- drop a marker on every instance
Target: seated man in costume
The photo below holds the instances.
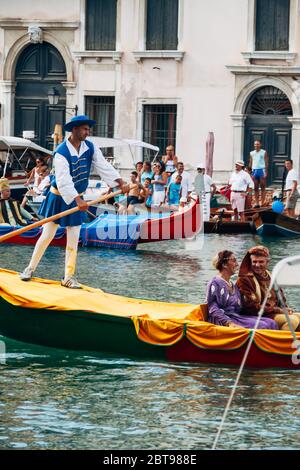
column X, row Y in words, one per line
column 224, row 299
column 11, row 212
column 253, row 282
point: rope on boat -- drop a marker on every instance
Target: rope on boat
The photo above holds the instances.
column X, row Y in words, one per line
column 260, row 314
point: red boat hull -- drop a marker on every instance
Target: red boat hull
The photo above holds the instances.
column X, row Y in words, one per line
column 175, row 227
column 185, row 351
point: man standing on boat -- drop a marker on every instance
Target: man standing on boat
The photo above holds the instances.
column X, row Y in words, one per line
column 258, row 163
column 186, row 182
column 291, row 185
column 73, row 160
column 240, row 182
column 209, row 189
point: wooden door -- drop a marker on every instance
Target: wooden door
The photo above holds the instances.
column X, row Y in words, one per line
column 274, row 132
column 39, row 68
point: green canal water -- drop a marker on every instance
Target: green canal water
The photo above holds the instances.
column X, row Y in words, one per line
column 52, row 399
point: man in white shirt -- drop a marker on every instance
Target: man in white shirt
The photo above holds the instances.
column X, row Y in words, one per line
column 73, row 160
column 209, row 189
column 186, row 182
column 240, row 182
column 291, row 184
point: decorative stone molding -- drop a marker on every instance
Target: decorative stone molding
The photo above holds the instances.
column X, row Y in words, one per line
column 25, row 24
column 263, row 70
column 295, row 121
column 289, row 57
column 141, row 55
column 238, row 119
column 258, row 82
column 14, row 51
column 35, row 34
column 7, row 93
column 98, row 55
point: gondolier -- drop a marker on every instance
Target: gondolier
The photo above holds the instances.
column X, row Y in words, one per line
column 73, row 161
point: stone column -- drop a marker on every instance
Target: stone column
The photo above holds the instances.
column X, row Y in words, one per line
column 7, row 93
column 71, row 100
column 238, row 121
column 295, row 145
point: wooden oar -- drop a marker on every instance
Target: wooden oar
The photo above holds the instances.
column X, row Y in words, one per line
column 19, row 231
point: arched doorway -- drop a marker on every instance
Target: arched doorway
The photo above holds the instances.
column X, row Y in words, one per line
column 39, row 68
column 267, row 114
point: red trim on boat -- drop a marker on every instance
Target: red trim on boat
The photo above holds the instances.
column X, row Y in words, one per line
column 184, row 351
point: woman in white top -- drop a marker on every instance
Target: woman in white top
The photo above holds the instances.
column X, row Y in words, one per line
column 35, row 173
column 159, row 184
column 170, row 159
column 291, row 184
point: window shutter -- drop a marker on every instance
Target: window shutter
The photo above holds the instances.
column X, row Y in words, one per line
column 162, row 25
column 101, row 16
column 272, row 25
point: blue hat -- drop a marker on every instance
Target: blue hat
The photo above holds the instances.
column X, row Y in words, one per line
column 79, row 121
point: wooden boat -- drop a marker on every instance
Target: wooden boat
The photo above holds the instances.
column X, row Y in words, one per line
column 124, row 232
column 31, row 236
column 47, row 314
column 269, row 223
column 228, row 226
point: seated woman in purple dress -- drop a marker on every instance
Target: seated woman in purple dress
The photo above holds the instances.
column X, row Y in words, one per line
column 224, row 299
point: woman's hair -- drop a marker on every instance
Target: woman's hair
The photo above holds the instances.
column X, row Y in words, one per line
column 221, row 259
column 162, row 167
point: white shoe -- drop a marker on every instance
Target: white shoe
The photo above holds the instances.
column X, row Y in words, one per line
column 27, row 274
column 71, row 283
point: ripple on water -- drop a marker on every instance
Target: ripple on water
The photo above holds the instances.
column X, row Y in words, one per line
column 63, row 400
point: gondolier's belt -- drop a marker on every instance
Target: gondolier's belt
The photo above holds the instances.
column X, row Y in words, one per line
column 57, row 193
column 234, row 191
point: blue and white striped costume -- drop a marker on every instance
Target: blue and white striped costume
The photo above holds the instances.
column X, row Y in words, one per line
column 72, row 170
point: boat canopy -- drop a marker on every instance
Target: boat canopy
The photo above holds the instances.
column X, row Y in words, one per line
column 13, row 145
column 18, row 143
column 130, row 144
column 106, row 142
column 287, row 272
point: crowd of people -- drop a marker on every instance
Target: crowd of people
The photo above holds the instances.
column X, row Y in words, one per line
column 163, row 184
column 237, row 305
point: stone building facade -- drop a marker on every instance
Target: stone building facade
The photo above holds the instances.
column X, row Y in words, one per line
column 164, row 71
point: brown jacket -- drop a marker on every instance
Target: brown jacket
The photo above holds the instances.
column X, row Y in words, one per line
column 253, row 290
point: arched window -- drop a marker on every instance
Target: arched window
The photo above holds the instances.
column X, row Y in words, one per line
column 269, row 100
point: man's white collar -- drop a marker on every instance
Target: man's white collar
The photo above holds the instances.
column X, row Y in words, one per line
column 83, row 148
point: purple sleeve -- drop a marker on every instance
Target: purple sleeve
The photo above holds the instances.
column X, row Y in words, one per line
column 214, row 302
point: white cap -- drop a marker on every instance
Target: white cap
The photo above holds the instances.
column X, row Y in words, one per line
column 239, row 163
column 201, row 165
